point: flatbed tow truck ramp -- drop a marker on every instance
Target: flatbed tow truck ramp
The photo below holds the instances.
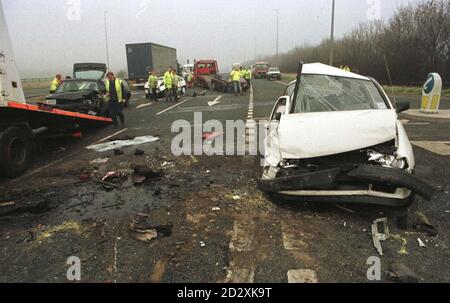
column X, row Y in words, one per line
column 22, row 123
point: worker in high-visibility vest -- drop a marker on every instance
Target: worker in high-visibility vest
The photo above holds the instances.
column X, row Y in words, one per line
column 248, row 76
column 55, row 84
column 168, row 84
column 114, row 95
column 175, row 84
column 236, row 79
column 153, row 86
column 347, row 68
column 190, row 80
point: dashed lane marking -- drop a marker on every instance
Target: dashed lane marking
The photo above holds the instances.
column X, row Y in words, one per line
column 302, row 276
column 144, row 105
column 241, row 267
column 250, row 132
column 441, row 148
column 172, row 107
column 284, row 83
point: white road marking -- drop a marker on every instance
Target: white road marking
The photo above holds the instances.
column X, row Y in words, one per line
column 242, row 239
column 113, row 135
column 441, row 148
column 302, row 276
column 284, row 83
column 215, row 102
column 144, row 105
column 241, row 276
column 407, row 122
column 172, row 107
column 250, row 132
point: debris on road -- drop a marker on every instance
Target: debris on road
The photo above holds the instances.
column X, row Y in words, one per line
column 112, row 175
column 141, row 230
column 6, row 204
column 422, row 224
column 345, row 209
column 139, row 152
column 209, row 137
column 378, row 236
column 216, row 209
column 100, row 161
column 421, row 244
column 404, row 243
column 399, row 272
column 118, row 152
column 202, row 244
column 113, row 145
column 84, row 177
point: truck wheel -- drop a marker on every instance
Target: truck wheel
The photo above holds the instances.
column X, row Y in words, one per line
column 15, row 152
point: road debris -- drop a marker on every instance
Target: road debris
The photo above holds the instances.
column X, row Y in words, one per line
column 399, row 272
column 404, row 243
column 422, row 224
column 7, row 204
column 118, row 152
column 122, row 143
column 378, row 236
column 100, row 161
column 112, row 175
column 202, row 244
column 345, row 209
column 216, row 209
column 421, row 244
column 139, row 152
column 141, row 230
column 210, row 137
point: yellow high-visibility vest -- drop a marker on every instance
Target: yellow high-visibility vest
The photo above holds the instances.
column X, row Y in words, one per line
column 118, row 84
column 54, row 85
column 168, row 80
column 153, row 81
column 235, row 75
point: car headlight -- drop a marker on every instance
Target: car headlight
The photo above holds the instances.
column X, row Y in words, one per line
column 388, row 161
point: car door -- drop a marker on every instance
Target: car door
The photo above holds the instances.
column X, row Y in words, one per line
column 272, row 142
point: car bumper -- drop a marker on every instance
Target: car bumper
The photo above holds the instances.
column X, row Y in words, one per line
column 337, row 182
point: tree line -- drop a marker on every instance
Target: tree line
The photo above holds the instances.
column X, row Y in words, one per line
column 412, row 43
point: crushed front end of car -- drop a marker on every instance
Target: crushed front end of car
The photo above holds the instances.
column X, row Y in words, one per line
column 339, row 139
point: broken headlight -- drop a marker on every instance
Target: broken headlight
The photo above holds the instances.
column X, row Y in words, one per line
column 388, row 161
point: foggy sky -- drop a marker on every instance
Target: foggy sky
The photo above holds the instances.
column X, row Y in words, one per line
column 47, row 40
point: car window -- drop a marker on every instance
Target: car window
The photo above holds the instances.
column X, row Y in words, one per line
column 74, row 86
column 322, row 93
column 289, row 90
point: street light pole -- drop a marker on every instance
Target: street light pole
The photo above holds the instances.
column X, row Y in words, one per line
column 278, row 33
column 332, row 35
column 106, row 40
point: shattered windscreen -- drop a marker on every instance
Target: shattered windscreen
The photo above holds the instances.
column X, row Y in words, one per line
column 321, row 93
column 75, row 86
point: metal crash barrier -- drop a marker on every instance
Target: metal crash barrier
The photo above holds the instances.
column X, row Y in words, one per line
column 431, row 94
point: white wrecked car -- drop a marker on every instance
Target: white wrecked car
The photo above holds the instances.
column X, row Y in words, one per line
column 335, row 137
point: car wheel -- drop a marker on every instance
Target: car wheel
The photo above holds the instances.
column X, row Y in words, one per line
column 15, row 152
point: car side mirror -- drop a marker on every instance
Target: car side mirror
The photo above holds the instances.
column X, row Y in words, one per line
column 403, row 107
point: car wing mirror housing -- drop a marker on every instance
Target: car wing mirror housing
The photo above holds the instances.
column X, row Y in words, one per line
column 403, row 107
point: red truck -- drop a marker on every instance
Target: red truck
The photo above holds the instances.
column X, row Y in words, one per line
column 261, row 70
column 204, row 71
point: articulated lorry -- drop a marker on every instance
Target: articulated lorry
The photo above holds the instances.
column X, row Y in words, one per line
column 22, row 124
column 142, row 58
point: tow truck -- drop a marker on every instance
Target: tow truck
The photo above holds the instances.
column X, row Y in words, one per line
column 204, row 72
column 23, row 123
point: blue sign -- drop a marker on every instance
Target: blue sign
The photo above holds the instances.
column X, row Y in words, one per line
column 429, row 85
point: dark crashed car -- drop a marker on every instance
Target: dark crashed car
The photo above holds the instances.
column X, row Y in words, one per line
column 84, row 93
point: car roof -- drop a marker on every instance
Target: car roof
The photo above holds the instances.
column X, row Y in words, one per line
column 327, row 70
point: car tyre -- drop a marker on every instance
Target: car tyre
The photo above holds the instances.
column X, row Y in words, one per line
column 15, row 152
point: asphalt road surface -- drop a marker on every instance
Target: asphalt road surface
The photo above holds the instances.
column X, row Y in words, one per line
column 211, row 222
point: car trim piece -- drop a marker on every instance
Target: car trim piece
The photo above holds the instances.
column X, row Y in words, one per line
column 400, row 194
